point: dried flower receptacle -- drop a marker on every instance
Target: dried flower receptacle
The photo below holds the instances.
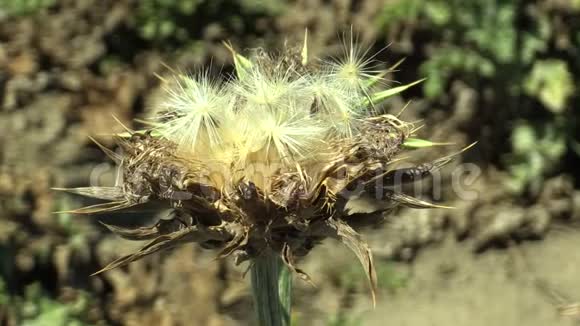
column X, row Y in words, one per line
column 276, row 159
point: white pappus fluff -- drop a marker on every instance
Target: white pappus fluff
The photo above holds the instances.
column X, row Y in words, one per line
column 192, row 112
column 272, row 112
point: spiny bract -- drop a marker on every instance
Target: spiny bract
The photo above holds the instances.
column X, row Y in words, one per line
column 284, row 154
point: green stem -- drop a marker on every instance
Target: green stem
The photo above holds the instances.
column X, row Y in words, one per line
column 272, row 290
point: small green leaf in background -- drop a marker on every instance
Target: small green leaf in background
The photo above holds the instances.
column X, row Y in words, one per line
column 523, row 139
column 551, row 83
column 394, row 12
column 438, row 12
column 23, row 7
column 536, row 152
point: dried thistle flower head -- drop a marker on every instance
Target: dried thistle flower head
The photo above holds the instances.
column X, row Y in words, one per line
column 285, row 154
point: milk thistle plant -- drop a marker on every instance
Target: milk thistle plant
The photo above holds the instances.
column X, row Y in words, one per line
column 264, row 165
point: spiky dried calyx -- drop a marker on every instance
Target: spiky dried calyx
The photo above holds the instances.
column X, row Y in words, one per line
column 283, row 156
